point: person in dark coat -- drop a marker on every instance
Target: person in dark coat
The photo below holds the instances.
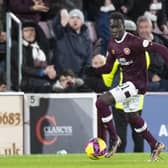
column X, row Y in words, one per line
column 73, row 47
column 157, row 72
column 28, row 9
column 2, row 37
column 37, row 74
column 56, row 6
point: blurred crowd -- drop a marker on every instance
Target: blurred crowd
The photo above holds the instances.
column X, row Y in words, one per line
column 62, row 39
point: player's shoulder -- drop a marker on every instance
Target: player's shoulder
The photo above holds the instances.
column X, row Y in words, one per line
column 135, row 40
column 133, row 36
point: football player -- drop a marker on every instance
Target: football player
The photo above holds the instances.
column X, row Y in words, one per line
column 129, row 50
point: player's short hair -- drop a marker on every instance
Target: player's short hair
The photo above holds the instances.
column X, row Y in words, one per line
column 117, row 16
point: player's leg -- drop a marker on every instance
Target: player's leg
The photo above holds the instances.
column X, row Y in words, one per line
column 118, row 94
column 121, row 127
column 131, row 108
column 137, row 139
column 140, row 126
column 106, row 115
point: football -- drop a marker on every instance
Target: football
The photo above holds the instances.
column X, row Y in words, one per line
column 96, row 148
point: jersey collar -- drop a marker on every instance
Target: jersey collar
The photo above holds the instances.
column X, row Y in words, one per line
column 122, row 39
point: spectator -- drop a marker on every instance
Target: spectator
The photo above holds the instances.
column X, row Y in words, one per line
column 91, row 9
column 56, row 6
column 73, row 47
column 3, row 86
column 96, row 82
column 138, row 9
column 2, row 15
column 124, row 6
column 158, row 17
column 165, row 6
column 67, row 82
column 102, row 24
column 2, row 51
column 37, row 74
column 158, row 68
column 29, row 9
column 2, row 37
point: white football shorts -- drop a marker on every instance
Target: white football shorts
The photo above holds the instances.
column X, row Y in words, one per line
column 124, row 91
column 127, row 94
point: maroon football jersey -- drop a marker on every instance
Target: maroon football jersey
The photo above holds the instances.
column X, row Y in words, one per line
column 130, row 52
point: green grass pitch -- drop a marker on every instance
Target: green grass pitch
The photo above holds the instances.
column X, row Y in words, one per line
column 125, row 160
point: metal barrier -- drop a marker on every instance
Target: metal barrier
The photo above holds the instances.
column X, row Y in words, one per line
column 9, row 17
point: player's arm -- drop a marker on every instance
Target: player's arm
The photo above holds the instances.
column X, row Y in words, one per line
column 161, row 49
column 145, row 45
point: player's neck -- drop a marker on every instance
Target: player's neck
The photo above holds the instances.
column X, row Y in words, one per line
column 122, row 38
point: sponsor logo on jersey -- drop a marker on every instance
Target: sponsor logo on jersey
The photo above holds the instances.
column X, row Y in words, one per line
column 124, row 62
